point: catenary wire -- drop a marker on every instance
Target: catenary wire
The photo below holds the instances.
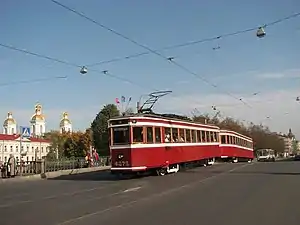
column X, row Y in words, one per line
column 145, row 47
column 190, row 43
column 62, row 62
column 31, row 81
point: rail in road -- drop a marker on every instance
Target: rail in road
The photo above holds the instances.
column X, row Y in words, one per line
column 233, row 194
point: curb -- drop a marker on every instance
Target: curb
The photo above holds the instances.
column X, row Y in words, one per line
column 54, row 174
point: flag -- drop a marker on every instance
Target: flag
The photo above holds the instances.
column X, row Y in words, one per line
column 123, row 99
column 117, row 101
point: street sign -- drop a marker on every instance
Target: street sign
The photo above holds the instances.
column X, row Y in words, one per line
column 25, row 132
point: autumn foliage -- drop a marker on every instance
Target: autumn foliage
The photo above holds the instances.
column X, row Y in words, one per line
column 69, row 145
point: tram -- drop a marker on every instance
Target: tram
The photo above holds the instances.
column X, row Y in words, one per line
column 235, row 146
column 149, row 142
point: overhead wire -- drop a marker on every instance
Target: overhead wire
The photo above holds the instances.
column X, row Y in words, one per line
column 39, row 55
column 62, row 62
column 190, row 43
column 31, row 81
column 146, row 47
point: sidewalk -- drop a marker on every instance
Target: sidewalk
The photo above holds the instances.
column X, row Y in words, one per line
column 53, row 174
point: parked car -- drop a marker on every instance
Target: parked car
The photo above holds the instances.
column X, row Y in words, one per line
column 297, row 157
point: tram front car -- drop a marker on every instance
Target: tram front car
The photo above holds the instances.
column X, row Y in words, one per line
column 120, row 146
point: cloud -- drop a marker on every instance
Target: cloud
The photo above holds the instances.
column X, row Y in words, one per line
column 292, row 73
column 277, row 109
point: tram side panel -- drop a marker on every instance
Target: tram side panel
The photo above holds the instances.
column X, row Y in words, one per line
column 163, row 155
column 236, row 151
column 187, row 153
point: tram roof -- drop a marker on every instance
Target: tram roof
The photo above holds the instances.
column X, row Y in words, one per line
column 236, row 133
column 163, row 118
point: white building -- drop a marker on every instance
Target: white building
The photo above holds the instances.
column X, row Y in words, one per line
column 65, row 124
column 31, row 148
column 38, row 123
column 9, row 125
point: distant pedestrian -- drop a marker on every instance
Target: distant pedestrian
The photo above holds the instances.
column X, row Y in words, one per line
column 11, row 166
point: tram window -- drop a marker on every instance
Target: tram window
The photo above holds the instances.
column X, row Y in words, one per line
column 120, row 135
column 149, row 134
column 137, row 134
column 157, row 135
column 223, row 139
column 203, row 138
column 188, row 135
column 198, row 136
column 208, row 139
column 175, row 135
column 181, row 135
column 194, row 136
column 212, row 137
column 228, row 139
column 167, row 134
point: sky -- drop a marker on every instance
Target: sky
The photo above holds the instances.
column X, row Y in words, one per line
column 240, row 66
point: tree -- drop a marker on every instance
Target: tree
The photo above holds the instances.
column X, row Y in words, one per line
column 99, row 128
column 57, row 141
column 295, row 148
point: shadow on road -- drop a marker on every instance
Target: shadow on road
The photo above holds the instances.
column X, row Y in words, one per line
column 104, row 175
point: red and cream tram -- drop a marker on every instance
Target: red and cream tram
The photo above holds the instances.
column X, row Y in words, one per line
column 149, row 142
column 235, row 146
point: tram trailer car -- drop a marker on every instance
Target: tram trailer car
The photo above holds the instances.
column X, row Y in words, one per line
column 141, row 143
column 235, row 147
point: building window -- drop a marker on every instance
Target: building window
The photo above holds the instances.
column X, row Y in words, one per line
column 42, row 149
column 11, row 148
column 5, row 148
column 12, row 130
column 17, row 148
column 41, row 129
column 27, row 148
column 5, row 130
column 5, row 159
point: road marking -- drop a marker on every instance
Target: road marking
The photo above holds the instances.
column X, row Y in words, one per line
column 127, row 204
column 55, row 196
column 132, row 189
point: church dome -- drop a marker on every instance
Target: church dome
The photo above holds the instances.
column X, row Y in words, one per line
column 38, row 116
column 65, row 120
column 9, row 120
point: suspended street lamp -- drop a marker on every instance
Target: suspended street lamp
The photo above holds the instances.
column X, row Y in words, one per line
column 260, row 32
column 83, row 70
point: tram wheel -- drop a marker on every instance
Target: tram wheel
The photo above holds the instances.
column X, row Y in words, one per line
column 161, row 172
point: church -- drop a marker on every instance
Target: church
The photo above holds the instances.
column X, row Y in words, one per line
column 28, row 148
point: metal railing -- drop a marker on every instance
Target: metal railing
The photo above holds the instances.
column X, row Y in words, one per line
column 43, row 166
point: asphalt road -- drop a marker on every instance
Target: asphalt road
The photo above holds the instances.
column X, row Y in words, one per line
column 233, row 194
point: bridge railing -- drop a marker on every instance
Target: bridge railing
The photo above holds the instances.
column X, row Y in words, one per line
column 43, row 166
